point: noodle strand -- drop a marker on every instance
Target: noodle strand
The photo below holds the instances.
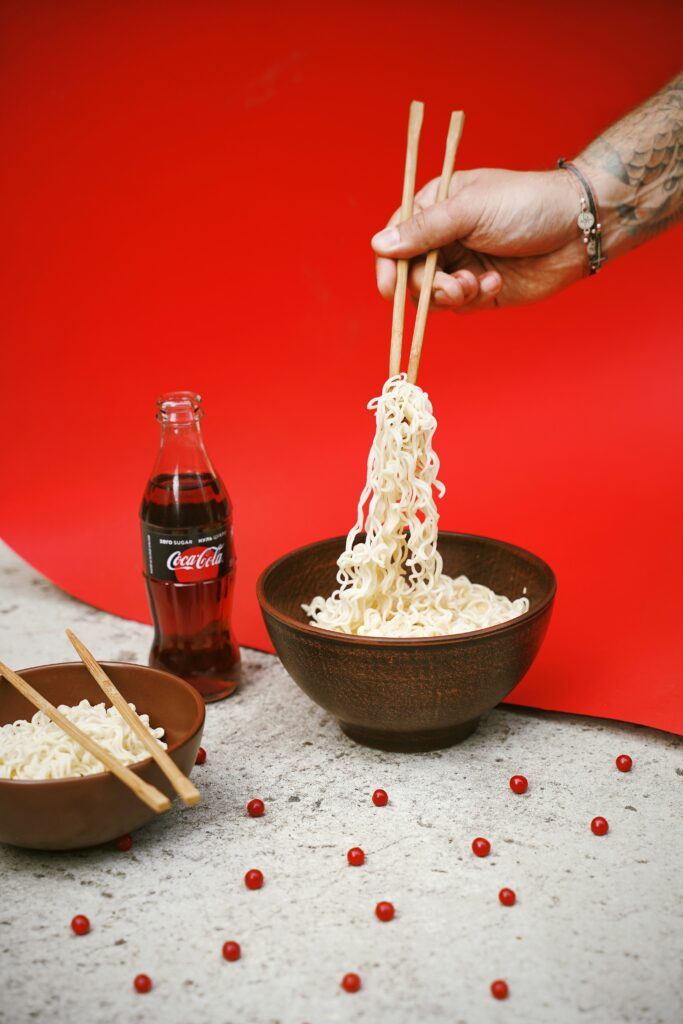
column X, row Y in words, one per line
column 392, row 584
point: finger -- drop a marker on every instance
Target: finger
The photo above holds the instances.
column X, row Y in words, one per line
column 385, row 269
column 429, row 228
column 417, row 267
column 452, row 291
column 415, row 275
column 385, row 272
column 489, row 288
column 446, row 287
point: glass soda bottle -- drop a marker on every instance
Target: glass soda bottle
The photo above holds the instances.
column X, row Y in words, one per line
column 189, row 557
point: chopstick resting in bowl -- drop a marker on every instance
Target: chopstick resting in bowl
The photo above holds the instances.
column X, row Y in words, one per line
column 185, row 789
column 149, row 795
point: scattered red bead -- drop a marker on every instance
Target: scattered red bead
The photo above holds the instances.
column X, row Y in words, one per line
column 350, row 982
column 143, row 983
column 255, row 808
column 507, row 897
column 499, row 989
column 481, row 847
column 253, row 879
column 232, row 950
column 519, row 784
column 355, row 857
column 80, row 924
column 385, row 910
column 124, row 843
column 380, row 798
column 624, row 763
column 201, row 756
column 599, row 826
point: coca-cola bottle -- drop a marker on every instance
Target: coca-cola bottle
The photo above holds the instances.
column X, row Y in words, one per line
column 189, row 558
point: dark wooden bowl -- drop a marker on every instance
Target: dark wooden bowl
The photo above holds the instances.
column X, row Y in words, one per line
column 66, row 814
column 408, row 695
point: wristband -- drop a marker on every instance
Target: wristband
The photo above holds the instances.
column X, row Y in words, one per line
column 588, row 220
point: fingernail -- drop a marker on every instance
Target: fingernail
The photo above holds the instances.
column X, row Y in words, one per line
column 440, row 295
column 385, row 241
column 489, row 284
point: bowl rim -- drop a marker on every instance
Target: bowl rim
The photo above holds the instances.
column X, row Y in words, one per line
column 470, row 636
column 138, row 766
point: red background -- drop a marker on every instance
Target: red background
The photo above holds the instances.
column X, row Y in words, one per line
column 187, row 192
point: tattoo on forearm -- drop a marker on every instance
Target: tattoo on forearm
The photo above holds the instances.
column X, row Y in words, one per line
column 644, row 151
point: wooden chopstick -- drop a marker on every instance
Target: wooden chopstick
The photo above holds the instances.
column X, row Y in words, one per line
column 149, row 795
column 185, row 789
column 398, row 316
column 454, row 132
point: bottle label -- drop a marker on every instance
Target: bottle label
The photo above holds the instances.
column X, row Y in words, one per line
column 187, row 556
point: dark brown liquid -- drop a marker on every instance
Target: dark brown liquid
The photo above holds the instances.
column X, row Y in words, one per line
column 192, row 633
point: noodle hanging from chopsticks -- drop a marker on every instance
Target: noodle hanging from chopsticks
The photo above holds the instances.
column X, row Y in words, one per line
column 391, row 584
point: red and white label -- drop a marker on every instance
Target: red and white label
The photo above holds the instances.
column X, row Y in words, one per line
column 193, row 564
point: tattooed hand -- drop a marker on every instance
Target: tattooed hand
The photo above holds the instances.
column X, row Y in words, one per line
column 507, row 237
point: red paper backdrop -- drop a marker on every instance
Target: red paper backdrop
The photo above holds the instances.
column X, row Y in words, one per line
column 187, row 192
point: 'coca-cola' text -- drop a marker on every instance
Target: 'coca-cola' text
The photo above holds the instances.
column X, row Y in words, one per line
column 204, row 559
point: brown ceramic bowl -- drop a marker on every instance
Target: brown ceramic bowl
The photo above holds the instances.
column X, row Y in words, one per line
column 66, row 814
column 408, row 695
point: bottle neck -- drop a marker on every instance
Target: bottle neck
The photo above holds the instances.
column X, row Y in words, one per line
column 182, row 450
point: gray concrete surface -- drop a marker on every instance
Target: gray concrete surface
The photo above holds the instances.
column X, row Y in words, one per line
column 596, row 936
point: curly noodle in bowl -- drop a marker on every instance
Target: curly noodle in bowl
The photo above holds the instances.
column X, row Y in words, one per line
column 391, row 584
column 38, row 749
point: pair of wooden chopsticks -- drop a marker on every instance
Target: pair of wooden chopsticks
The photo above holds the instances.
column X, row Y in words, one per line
column 149, row 794
column 414, row 127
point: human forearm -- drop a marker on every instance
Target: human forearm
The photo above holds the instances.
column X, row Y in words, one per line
column 509, row 237
column 636, row 169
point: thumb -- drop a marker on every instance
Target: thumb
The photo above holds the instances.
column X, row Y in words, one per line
column 431, row 228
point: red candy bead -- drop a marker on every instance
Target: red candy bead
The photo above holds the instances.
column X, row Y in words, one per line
column 507, row 897
column 255, row 808
column 599, row 826
column 499, row 989
column 124, row 843
column 232, row 950
column 253, row 879
column 201, row 756
column 143, row 983
column 385, row 910
column 481, row 847
column 519, row 784
column 80, row 924
column 624, row 763
column 350, row 982
column 380, row 798
column 355, row 857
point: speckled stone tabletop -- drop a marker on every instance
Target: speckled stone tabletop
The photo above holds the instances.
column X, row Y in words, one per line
column 596, row 935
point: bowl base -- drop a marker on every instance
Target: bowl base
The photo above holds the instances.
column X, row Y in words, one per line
column 410, row 742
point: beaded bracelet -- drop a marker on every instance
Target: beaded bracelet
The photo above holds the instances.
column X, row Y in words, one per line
column 589, row 219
